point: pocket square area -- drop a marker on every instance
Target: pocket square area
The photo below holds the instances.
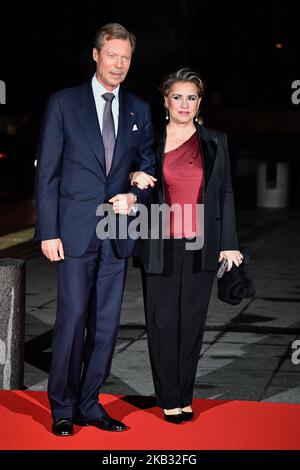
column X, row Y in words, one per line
column 135, row 127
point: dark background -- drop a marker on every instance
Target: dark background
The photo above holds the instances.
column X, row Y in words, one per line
column 246, row 52
column 232, row 44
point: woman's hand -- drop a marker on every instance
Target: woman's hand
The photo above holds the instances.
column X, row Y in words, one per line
column 233, row 256
column 142, row 180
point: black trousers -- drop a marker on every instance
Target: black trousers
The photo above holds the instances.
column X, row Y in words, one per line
column 176, row 308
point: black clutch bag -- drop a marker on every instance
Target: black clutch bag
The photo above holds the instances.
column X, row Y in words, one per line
column 235, row 285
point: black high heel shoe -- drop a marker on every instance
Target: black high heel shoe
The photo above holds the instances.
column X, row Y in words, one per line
column 187, row 415
column 175, row 419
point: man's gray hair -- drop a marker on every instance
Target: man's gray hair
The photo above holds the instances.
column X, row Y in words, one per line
column 113, row 31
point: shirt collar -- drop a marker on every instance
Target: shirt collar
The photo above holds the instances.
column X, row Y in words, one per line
column 99, row 89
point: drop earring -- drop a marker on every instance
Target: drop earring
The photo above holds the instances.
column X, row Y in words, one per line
column 167, row 117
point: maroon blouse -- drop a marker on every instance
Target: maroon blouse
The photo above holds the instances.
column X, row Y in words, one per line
column 183, row 177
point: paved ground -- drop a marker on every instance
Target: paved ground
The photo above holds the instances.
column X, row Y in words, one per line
column 247, row 348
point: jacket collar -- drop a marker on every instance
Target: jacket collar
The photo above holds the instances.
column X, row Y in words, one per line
column 208, row 145
column 87, row 115
column 127, row 117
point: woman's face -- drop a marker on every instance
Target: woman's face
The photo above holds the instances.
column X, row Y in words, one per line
column 182, row 102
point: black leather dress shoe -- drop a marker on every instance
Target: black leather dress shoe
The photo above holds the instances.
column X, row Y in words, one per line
column 187, row 415
column 62, row 427
column 175, row 419
column 106, row 423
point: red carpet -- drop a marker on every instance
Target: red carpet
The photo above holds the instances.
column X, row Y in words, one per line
column 25, row 424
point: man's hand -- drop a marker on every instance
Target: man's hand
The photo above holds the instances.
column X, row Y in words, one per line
column 53, row 249
column 122, row 203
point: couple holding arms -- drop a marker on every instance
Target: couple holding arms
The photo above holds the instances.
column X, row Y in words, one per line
column 95, row 148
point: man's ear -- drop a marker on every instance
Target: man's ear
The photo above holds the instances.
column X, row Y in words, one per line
column 95, row 54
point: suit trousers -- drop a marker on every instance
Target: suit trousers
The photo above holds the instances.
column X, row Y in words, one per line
column 176, row 308
column 90, row 290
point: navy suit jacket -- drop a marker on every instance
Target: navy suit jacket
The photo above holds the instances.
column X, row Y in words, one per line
column 71, row 180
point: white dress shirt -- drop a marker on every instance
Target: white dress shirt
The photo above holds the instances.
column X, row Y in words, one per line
column 98, row 91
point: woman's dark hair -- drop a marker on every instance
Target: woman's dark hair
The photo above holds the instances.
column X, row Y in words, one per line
column 182, row 75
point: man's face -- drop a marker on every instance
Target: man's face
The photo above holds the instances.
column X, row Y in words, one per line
column 112, row 62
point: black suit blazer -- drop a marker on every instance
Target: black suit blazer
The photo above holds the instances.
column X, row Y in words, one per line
column 217, row 197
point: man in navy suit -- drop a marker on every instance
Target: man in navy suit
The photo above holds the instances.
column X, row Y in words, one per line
column 92, row 137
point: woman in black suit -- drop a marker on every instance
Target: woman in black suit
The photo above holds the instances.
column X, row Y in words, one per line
column 194, row 172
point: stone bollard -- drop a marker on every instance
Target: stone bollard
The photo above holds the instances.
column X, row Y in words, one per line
column 12, row 323
column 273, row 193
